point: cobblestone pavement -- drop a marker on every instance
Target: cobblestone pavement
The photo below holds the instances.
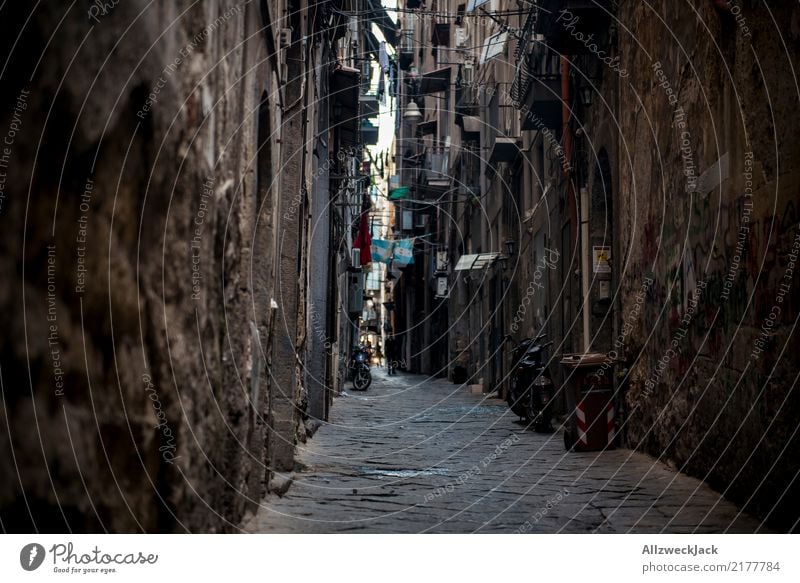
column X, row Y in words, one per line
column 419, row 455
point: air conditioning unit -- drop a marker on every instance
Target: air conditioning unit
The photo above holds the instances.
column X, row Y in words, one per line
column 355, row 258
column 461, row 37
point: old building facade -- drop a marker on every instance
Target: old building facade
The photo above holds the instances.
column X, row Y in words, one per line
column 613, row 177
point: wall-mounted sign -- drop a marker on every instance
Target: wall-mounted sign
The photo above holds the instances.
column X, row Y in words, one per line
column 601, row 259
column 441, row 286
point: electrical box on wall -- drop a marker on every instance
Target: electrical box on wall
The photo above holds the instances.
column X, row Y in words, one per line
column 356, row 293
column 604, row 290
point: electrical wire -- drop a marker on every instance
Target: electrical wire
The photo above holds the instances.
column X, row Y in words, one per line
column 432, row 13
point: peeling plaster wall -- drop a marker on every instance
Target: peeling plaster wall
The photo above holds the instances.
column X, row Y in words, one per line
column 165, row 317
column 718, row 407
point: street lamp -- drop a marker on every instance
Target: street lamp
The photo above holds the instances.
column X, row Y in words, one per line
column 585, row 92
column 412, row 113
column 510, row 244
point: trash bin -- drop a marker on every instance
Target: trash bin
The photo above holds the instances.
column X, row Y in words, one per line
column 590, row 394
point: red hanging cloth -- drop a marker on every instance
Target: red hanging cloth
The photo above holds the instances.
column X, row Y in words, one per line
column 363, row 240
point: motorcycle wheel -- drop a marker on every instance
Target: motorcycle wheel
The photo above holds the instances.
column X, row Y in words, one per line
column 362, row 379
column 517, row 407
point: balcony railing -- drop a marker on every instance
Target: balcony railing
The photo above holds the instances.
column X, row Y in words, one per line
column 406, row 48
column 437, row 166
column 540, row 103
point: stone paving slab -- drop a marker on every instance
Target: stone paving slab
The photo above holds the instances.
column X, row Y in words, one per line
column 414, row 454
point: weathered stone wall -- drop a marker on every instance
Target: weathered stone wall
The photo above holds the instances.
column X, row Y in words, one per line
column 136, row 279
column 713, row 387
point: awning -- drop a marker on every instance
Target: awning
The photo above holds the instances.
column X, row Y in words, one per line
column 435, row 81
column 504, row 150
column 475, row 261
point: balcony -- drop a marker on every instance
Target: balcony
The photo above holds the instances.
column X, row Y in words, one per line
column 406, row 50
column 540, row 103
column 344, row 91
column 437, row 171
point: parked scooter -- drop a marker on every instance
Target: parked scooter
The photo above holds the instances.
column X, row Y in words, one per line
column 531, row 392
column 359, row 369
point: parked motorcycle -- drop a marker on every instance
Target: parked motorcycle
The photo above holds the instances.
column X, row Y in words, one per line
column 531, row 393
column 359, row 369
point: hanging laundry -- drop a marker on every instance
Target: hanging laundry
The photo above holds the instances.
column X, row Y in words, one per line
column 382, row 250
column 363, row 240
column 381, row 88
column 383, row 57
column 404, row 252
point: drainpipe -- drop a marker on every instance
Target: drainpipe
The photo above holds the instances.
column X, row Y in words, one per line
column 566, row 138
column 585, row 264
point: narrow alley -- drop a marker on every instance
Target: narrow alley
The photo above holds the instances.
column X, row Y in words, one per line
column 414, row 454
